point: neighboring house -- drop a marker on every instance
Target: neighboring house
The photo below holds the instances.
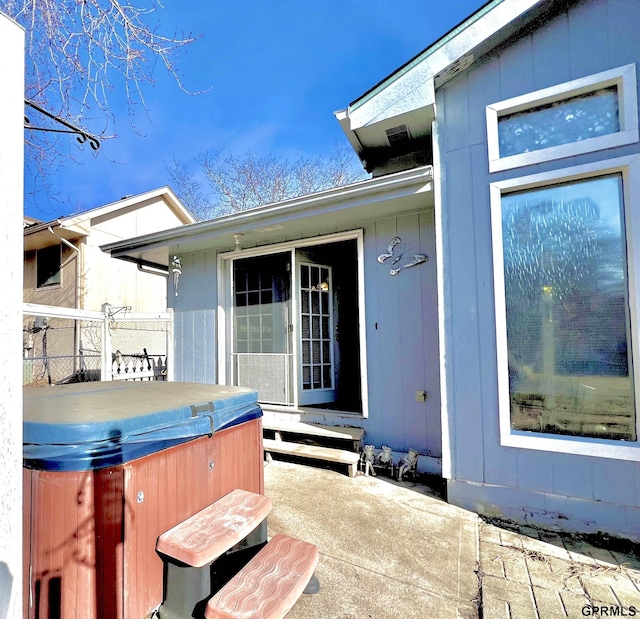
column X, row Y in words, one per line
column 64, row 267
column 63, row 264
column 507, row 155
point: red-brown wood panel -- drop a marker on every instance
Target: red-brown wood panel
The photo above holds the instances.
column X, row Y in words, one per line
column 60, row 558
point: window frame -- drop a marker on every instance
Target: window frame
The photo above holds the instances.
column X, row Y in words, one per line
column 629, row 169
column 58, row 284
column 624, row 78
column 225, row 315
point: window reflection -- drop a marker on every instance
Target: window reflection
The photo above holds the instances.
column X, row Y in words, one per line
column 568, row 329
column 571, row 120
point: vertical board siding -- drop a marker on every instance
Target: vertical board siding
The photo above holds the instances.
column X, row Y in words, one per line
column 401, row 358
column 588, row 40
column 430, row 343
column 386, row 417
column 466, row 380
column 551, row 49
column 90, row 536
column 583, row 39
column 411, row 318
column 375, row 374
column 195, row 319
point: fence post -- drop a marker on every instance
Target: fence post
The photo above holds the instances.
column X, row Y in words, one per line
column 106, row 369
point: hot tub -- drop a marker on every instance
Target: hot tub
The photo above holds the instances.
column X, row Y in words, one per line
column 110, row 466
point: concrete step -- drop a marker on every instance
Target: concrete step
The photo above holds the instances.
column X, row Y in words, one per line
column 314, row 452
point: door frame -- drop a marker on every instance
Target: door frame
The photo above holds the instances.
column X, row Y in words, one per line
column 225, row 309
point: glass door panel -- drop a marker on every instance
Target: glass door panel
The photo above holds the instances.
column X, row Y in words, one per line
column 316, row 335
column 262, row 332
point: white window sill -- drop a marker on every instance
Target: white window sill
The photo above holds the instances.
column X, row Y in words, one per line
column 599, row 448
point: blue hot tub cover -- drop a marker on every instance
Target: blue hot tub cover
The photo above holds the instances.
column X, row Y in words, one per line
column 94, row 425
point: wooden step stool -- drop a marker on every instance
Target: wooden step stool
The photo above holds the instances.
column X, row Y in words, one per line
column 270, row 584
column 234, row 523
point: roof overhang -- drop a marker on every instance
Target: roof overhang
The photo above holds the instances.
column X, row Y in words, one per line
column 327, row 211
column 407, row 96
column 50, row 233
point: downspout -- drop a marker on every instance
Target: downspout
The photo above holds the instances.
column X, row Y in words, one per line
column 145, row 268
column 77, row 250
column 76, row 342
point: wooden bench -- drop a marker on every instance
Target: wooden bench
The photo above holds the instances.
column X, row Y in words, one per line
column 269, row 585
column 314, row 452
column 269, row 581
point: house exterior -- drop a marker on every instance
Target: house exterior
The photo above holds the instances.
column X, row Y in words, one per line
column 64, row 267
column 486, row 273
column 301, row 309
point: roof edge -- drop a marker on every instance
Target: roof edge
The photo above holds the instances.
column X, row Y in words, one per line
column 425, row 53
column 352, row 191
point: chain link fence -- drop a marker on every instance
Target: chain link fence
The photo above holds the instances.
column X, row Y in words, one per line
column 59, row 350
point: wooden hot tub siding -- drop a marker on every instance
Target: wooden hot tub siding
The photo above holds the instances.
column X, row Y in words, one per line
column 89, row 541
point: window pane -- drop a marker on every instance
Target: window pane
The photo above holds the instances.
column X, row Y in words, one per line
column 570, row 120
column 48, row 262
column 568, row 330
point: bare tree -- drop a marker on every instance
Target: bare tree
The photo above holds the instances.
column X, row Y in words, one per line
column 77, row 53
column 231, row 184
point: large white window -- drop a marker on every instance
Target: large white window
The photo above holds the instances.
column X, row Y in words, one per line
column 292, row 323
column 593, row 113
column 566, row 308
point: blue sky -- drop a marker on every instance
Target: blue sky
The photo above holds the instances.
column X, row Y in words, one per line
column 276, row 71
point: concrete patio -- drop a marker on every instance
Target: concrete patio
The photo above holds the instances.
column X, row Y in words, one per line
column 390, row 549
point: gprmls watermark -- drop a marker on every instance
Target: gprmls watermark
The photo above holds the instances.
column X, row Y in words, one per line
column 610, row 611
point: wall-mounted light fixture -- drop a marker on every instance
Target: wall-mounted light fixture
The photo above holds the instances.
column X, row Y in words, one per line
column 238, row 238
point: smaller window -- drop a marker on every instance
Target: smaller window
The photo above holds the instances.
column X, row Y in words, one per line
column 48, row 269
column 592, row 113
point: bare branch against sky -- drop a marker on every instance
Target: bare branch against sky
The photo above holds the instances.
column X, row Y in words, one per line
column 79, row 55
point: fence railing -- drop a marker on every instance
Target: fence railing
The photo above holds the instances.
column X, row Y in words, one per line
column 66, row 345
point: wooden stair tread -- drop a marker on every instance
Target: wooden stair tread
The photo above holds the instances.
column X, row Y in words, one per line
column 206, row 535
column 312, row 429
column 269, row 585
column 311, row 451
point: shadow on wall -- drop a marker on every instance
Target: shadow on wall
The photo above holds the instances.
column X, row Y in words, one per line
column 6, row 588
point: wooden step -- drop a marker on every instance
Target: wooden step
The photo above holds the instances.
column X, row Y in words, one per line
column 312, row 451
column 269, row 585
column 354, row 435
column 203, row 537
